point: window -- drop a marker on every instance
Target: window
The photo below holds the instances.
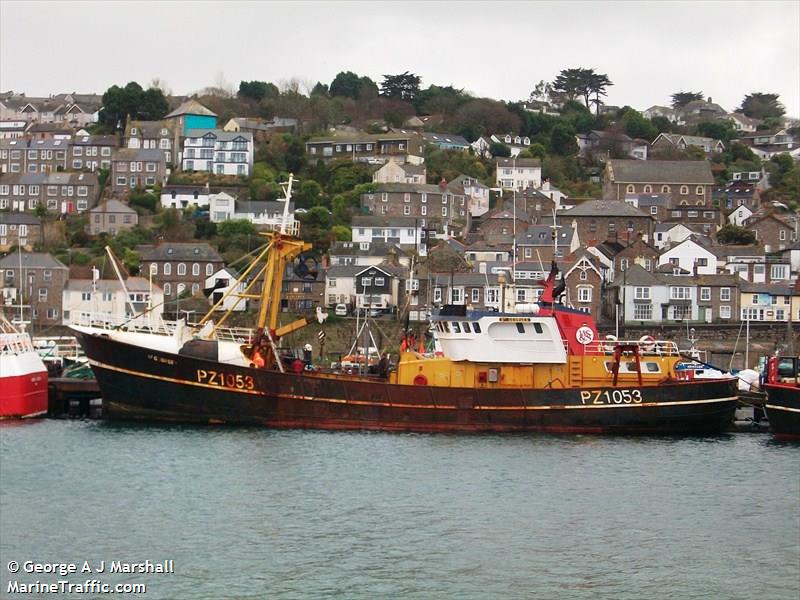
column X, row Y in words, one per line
column 437, row 294
column 665, row 189
column 86, row 296
column 167, row 268
column 42, row 294
column 725, row 294
column 457, row 295
column 181, row 269
column 779, row 272
column 641, row 293
column 366, row 281
column 406, row 210
column 642, row 312
column 680, row 293
column 167, row 289
column 584, row 294
column 684, row 190
column 631, row 190
column 699, row 190
column 623, row 264
column 653, row 210
column 444, row 211
column 705, row 294
column 379, row 281
column 476, row 295
column 679, row 313
column 648, row 189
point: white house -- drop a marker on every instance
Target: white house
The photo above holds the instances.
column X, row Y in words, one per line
column 221, row 282
column 666, row 234
column 405, row 231
column 519, row 173
column 12, row 129
column 516, row 143
column 481, row 147
column 477, row 193
column 218, row 151
column 104, row 300
column 394, row 172
column 552, row 192
column 269, row 214
column 340, row 284
column 221, row 207
column 690, row 256
column 740, row 215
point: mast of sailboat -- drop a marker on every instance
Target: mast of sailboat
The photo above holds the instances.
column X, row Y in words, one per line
column 121, row 281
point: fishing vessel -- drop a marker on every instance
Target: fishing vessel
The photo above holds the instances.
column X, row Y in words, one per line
column 530, row 367
column 782, row 385
column 23, row 375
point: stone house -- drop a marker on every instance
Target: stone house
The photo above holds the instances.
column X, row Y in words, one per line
column 155, row 135
column 133, row 168
column 299, row 295
column 776, row 231
column 599, row 220
column 111, row 217
column 686, row 182
column 57, row 192
column 535, row 244
column 92, row 152
column 400, row 146
column 501, row 223
column 681, row 142
column 19, row 229
column 34, row 280
column 476, row 192
column 423, row 201
column 180, row 267
column 33, row 156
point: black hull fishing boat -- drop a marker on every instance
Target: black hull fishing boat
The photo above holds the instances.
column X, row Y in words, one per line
column 529, row 367
column 782, row 385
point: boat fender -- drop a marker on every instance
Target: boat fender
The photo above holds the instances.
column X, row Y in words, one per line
column 648, row 342
column 611, row 341
column 420, row 379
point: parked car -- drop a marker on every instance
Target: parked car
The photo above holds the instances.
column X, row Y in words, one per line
column 340, row 310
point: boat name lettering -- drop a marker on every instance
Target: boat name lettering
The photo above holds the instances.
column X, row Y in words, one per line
column 611, row 397
column 514, row 320
column 228, row 380
column 161, row 359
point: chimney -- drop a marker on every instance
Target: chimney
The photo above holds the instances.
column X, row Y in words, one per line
column 443, row 184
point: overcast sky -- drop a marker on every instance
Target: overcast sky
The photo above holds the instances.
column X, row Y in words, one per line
column 496, row 49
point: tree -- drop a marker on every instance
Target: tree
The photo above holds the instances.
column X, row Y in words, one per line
column 637, row 126
column 131, row 101
column 735, row 235
column 681, row 99
column 762, row 106
column 350, row 85
column 440, row 100
column 562, row 140
column 309, row 194
column 572, row 83
column 235, row 227
column 257, row 90
column 499, row 149
column 541, row 92
column 597, row 84
column 320, row 89
column 342, row 233
column 719, row 130
column 404, row 86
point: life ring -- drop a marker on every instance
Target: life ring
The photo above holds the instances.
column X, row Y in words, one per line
column 611, row 341
column 647, row 342
column 420, row 379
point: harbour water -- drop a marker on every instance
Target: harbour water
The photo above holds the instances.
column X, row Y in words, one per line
column 254, row 513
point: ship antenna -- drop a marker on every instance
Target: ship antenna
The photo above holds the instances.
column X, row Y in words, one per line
column 555, row 229
column 287, row 190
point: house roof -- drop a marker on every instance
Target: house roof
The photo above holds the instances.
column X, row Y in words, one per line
column 220, row 134
column 112, row 206
column 190, row 107
column 57, row 178
column 142, row 154
column 180, row 251
column 519, row 162
column 604, row 208
column 652, row 199
column 773, row 289
column 427, row 188
column 445, row 138
column 95, row 140
column 377, row 221
column 692, row 140
column 31, row 260
column 259, row 207
column 133, row 284
column 148, row 129
column 660, row 171
column 373, row 249
column 19, row 218
column 541, row 235
column 343, row 271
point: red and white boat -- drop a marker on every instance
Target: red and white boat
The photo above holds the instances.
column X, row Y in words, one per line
column 23, row 375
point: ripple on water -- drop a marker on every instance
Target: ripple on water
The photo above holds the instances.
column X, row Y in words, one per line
column 251, row 513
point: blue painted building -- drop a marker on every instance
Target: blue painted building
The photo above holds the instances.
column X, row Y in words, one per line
column 192, row 115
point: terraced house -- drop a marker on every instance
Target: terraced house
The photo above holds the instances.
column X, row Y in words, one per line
column 687, row 182
column 136, row 168
column 401, row 146
column 35, row 280
column 441, row 202
column 92, row 152
column 57, row 192
column 33, row 156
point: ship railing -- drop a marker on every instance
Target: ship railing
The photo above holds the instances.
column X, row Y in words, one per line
column 14, row 343
column 241, row 335
column 57, row 347
column 141, row 324
column 647, row 347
